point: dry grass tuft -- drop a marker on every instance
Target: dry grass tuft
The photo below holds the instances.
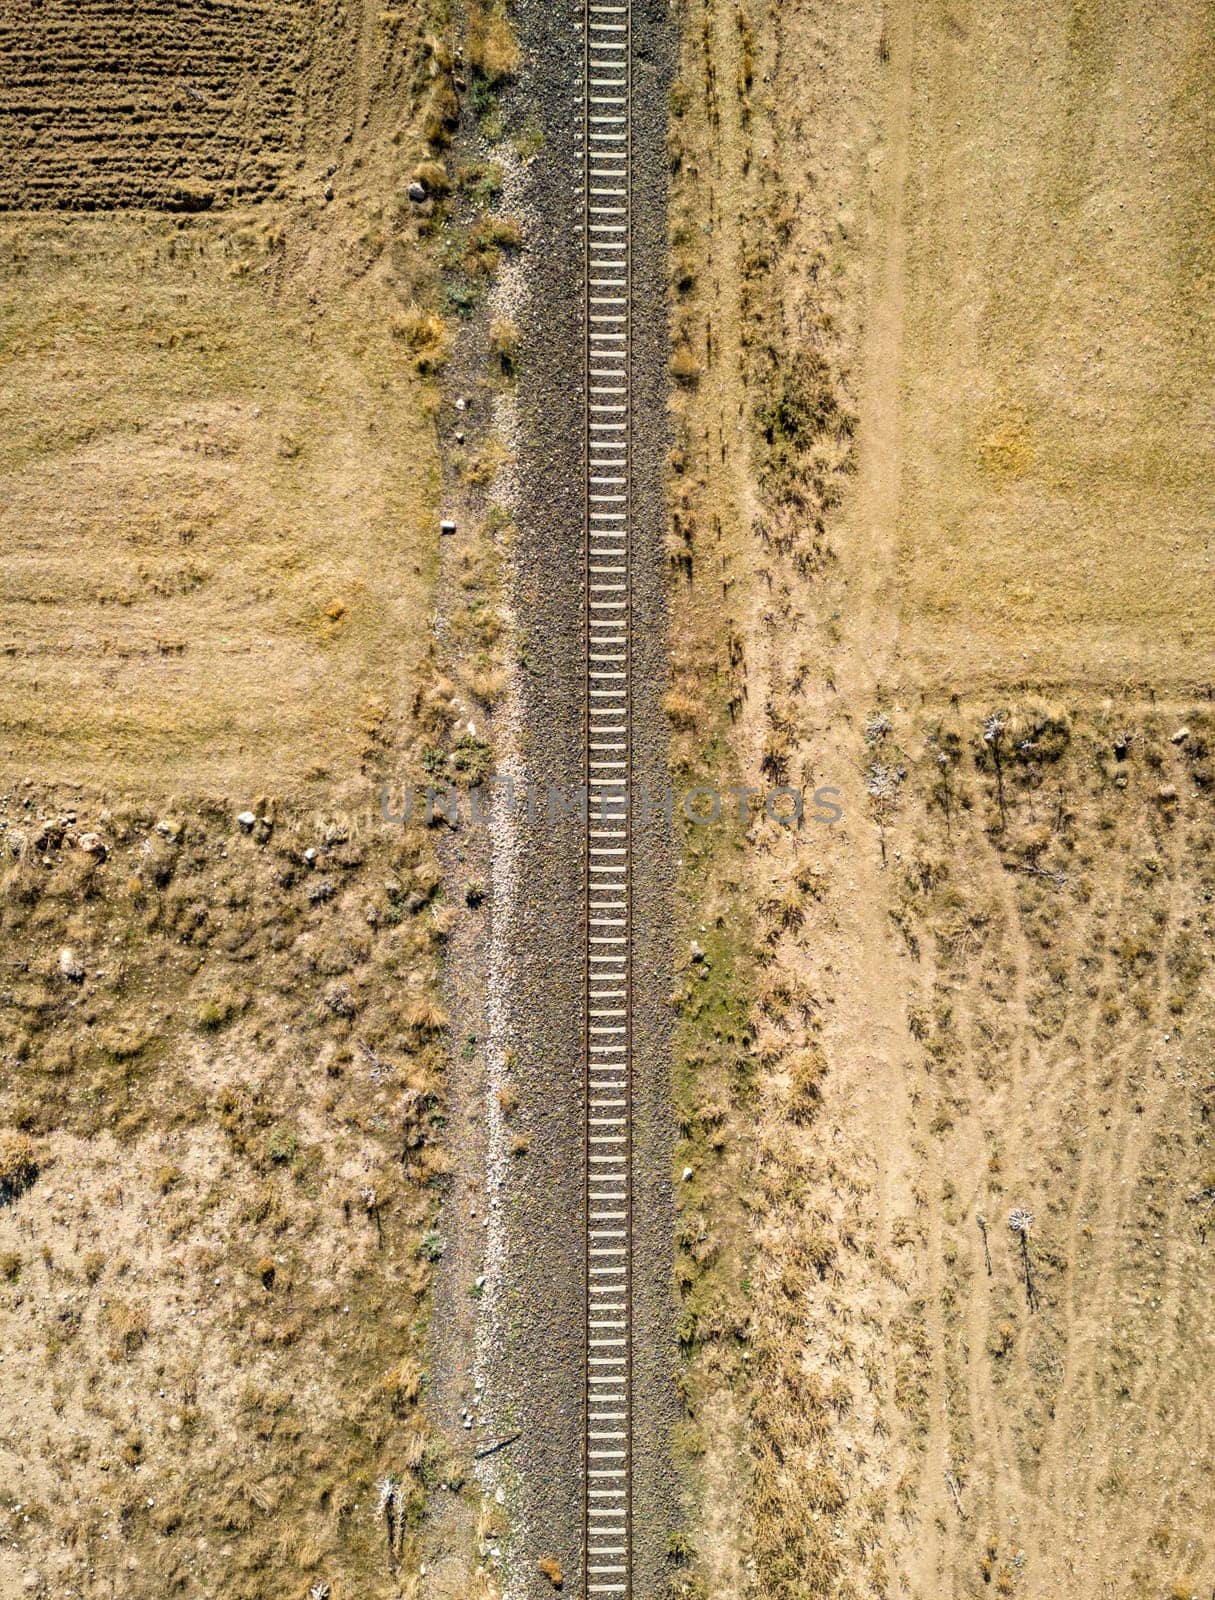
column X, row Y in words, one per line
column 493, row 49
column 128, row 1326
column 18, row 1166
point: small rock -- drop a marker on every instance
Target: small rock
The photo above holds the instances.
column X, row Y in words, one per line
column 69, row 966
column 687, row 1174
column 92, row 844
column 328, row 191
column 310, row 856
column 459, row 435
column 1168, row 793
column 169, row 828
column 417, row 192
column 499, row 1496
column 696, row 952
column 447, row 526
column 1180, row 736
column 479, row 1281
column 246, row 821
column 461, row 403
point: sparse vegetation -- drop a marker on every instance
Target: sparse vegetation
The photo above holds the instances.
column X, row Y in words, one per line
column 975, row 1000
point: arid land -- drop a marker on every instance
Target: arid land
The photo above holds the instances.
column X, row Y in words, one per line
column 938, row 511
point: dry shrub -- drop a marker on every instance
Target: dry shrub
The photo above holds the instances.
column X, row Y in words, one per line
column 433, row 177
column 402, row 1385
column 487, row 242
column 685, row 368
column 683, row 710
column 129, row 1326
column 493, row 50
column 806, row 1073
column 488, row 686
column 504, row 344
column 442, row 115
column 426, row 334
column 425, row 1016
column 18, row 1168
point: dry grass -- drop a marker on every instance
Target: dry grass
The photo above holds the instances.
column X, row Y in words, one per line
column 217, row 441
column 492, row 48
column 223, row 467
column 1059, row 529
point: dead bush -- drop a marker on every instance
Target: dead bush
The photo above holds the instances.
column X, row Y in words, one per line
column 18, row 1167
column 493, row 50
column 129, row 1327
column 402, row 1384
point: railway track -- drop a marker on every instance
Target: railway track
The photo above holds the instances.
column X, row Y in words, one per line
column 608, row 1197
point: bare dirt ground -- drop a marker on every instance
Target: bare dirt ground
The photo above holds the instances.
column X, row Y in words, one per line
column 939, row 531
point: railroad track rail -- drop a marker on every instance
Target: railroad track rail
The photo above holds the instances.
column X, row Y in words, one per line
column 608, row 1065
